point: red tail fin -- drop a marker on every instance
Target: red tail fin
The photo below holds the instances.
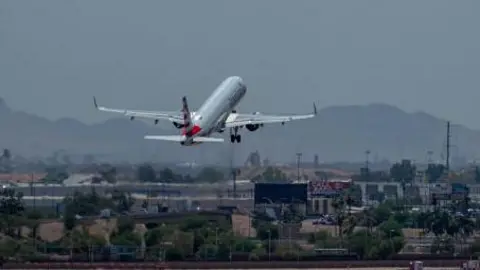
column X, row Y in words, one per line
column 187, row 121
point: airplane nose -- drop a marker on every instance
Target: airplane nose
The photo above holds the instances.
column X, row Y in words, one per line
column 237, row 78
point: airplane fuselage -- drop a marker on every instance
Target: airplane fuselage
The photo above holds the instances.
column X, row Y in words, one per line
column 213, row 113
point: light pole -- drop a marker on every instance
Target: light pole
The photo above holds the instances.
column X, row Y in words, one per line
column 216, row 240
column 269, row 244
column 391, row 241
column 299, row 156
column 367, row 160
column 367, row 175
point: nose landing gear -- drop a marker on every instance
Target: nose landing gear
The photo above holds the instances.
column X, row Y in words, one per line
column 234, row 136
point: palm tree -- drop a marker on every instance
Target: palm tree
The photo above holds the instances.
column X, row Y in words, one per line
column 338, row 205
column 466, row 227
column 368, row 219
column 5, row 161
column 7, row 154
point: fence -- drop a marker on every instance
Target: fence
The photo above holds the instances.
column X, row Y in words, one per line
column 168, row 253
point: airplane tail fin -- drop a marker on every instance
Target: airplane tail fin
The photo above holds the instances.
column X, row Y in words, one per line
column 187, row 120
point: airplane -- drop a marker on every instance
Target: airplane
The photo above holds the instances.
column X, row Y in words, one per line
column 215, row 115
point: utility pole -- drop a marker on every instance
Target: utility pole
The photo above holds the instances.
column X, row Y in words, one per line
column 447, row 162
column 299, row 156
column 367, row 161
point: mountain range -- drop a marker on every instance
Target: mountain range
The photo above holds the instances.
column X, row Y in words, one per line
column 340, row 133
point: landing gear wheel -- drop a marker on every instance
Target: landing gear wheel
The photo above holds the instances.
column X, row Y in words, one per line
column 238, row 138
column 232, row 138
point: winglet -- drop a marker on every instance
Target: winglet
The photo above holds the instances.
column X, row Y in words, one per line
column 95, row 102
column 314, row 109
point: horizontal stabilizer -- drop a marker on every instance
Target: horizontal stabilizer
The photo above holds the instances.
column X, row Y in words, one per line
column 180, row 138
column 173, row 138
column 207, row 139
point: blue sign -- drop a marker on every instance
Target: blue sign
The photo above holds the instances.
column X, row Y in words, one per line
column 459, row 189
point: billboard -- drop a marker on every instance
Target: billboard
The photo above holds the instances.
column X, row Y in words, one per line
column 327, row 188
column 459, row 191
column 280, row 193
column 449, row 191
column 442, row 191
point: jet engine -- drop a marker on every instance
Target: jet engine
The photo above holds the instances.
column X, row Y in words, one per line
column 252, row 127
column 178, row 125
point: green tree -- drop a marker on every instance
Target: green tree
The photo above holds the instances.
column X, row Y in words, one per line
column 129, row 239
column 382, row 213
column 361, row 242
column 6, row 161
column 87, row 204
column 210, row 175
column 355, row 193
column 11, row 209
column 323, row 239
column 434, row 172
column 272, row 174
column 146, row 173
column 157, row 235
column 69, row 221
column 338, row 205
column 403, row 173
column 108, row 173
column 292, row 214
column 387, row 240
column 125, row 224
column 368, row 219
column 443, row 244
column 122, row 201
column 80, row 241
column 56, row 174
column 268, row 231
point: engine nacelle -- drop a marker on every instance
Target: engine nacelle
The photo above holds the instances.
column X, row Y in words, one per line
column 252, row 127
column 178, row 125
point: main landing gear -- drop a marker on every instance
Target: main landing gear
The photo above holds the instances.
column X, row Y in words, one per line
column 234, row 136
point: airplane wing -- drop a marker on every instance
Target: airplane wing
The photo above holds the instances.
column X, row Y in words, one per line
column 173, row 116
column 239, row 119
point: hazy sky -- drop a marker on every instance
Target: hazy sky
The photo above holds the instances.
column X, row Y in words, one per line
column 418, row 55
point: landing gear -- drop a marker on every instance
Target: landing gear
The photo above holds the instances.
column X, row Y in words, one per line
column 234, row 136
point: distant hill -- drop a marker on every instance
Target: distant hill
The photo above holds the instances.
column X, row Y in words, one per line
column 340, row 133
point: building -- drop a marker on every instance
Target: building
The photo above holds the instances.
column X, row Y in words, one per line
column 271, row 197
column 321, row 194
